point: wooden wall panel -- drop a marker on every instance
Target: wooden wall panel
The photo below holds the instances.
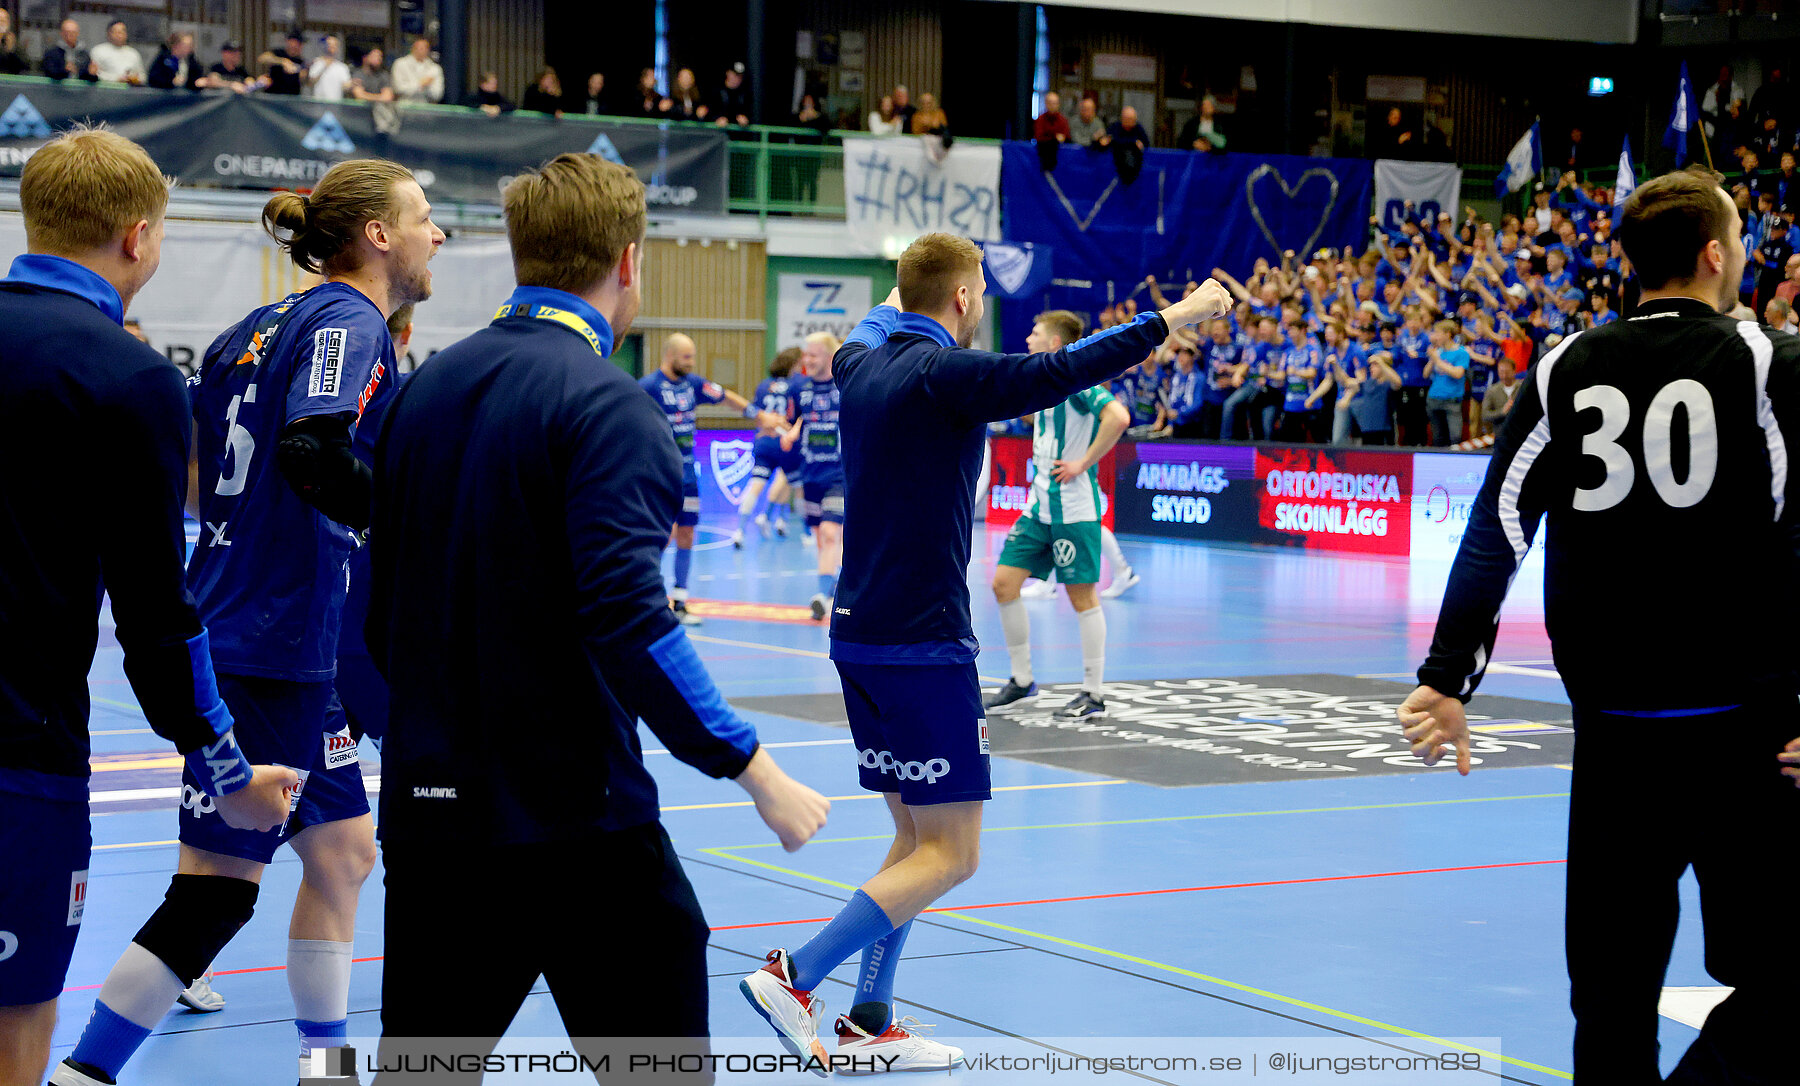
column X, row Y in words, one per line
column 507, row 38
column 715, row 293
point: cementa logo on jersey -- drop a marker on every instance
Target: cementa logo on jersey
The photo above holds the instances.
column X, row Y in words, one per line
column 21, row 121
column 327, row 136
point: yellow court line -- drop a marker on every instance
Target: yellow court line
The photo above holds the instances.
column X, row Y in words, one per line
column 1177, row 970
column 878, row 795
column 133, row 844
column 115, row 704
column 173, row 761
column 1168, row 818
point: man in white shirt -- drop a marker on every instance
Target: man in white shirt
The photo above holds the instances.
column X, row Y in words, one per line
column 329, row 75
column 417, row 77
column 115, row 60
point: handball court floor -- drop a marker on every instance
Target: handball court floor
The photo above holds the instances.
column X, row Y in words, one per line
column 1127, row 889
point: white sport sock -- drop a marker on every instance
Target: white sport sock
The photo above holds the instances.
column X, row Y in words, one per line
column 1109, row 546
column 1015, row 622
column 140, row 988
column 1093, row 648
column 318, row 975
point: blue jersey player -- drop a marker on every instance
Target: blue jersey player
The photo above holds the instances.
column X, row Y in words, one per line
column 100, row 419
column 775, row 468
column 282, row 499
column 679, row 391
column 901, row 633
column 814, row 435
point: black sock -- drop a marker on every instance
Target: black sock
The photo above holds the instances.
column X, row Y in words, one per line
column 871, row 1018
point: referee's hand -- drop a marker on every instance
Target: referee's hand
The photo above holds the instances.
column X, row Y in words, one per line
column 794, row 811
column 1431, row 721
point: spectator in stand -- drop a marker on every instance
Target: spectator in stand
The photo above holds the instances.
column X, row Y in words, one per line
column 175, row 67
column 1051, row 124
column 904, row 109
column 115, row 59
column 1779, row 315
column 1790, row 287
column 806, row 164
column 1769, row 139
column 1718, row 97
column 372, row 83
column 1201, row 132
column 329, row 77
column 1127, row 141
column 12, row 62
column 1448, row 366
column 1087, row 129
column 68, row 57
column 229, row 73
column 287, row 68
column 928, row 119
column 593, row 103
column 1785, row 184
column 883, row 121
column 647, row 101
column 683, row 103
column 1392, row 139
column 1732, row 129
column 1499, row 399
column 487, row 97
column 417, row 77
column 1775, row 98
column 1577, row 157
column 1771, row 260
column 731, row 102
column 544, row 95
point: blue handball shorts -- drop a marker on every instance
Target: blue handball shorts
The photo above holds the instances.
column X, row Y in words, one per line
column 44, row 847
column 690, row 504
column 919, row 730
column 823, row 502
column 771, row 458
column 299, row 725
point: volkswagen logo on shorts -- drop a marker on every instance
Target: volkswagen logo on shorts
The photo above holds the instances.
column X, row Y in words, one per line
column 928, row 772
column 1063, row 550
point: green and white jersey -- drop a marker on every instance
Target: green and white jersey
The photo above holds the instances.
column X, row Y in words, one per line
column 1065, row 432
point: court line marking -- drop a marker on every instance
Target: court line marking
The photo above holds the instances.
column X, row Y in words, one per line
column 703, row 807
column 1262, row 993
column 1175, row 818
column 1172, row 890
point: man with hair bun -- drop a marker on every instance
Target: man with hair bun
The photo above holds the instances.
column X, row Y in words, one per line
column 901, row 635
column 283, row 502
column 100, row 419
column 524, row 488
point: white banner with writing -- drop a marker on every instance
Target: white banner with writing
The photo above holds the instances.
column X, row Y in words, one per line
column 897, row 189
column 1430, row 187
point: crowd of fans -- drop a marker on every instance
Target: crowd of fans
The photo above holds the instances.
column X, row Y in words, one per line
column 1419, row 340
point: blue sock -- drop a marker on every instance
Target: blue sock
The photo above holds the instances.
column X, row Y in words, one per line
column 322, row 1034
column 827, row 585
column 108, row 1041
column 780, row 512
column 880, row 961
column 860, row 923
column 684, row 561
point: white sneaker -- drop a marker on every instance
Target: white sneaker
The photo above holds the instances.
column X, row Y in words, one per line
column 1121, row 583
column 762, row 524
column 898, row 1048
column 200, row 996
column 737, row 540
column 809, row 540
column 70, row 1073
column 794, row 1014
column 1037, row 590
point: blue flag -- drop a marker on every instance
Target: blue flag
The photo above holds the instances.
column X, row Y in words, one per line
column 1524, row 162
column 1627, row 180
column 1682, row 118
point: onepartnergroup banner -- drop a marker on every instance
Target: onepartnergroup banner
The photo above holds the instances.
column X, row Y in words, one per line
column 1014, row 1061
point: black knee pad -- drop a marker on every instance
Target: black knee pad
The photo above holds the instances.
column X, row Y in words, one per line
column 198, row 916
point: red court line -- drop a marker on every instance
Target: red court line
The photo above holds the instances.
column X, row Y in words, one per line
column 1035, row 901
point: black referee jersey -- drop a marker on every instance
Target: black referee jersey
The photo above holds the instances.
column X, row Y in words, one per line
column 1657, row 450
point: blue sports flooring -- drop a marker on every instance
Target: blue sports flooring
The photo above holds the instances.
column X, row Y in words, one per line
column 1406, row 908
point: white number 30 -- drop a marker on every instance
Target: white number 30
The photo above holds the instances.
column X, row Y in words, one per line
column 1659, row 432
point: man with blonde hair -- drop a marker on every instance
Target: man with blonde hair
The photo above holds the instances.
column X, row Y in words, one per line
column 901, row 635
column 283, row 502
column 524, row 468
column 815, row 429
column 101, row 514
